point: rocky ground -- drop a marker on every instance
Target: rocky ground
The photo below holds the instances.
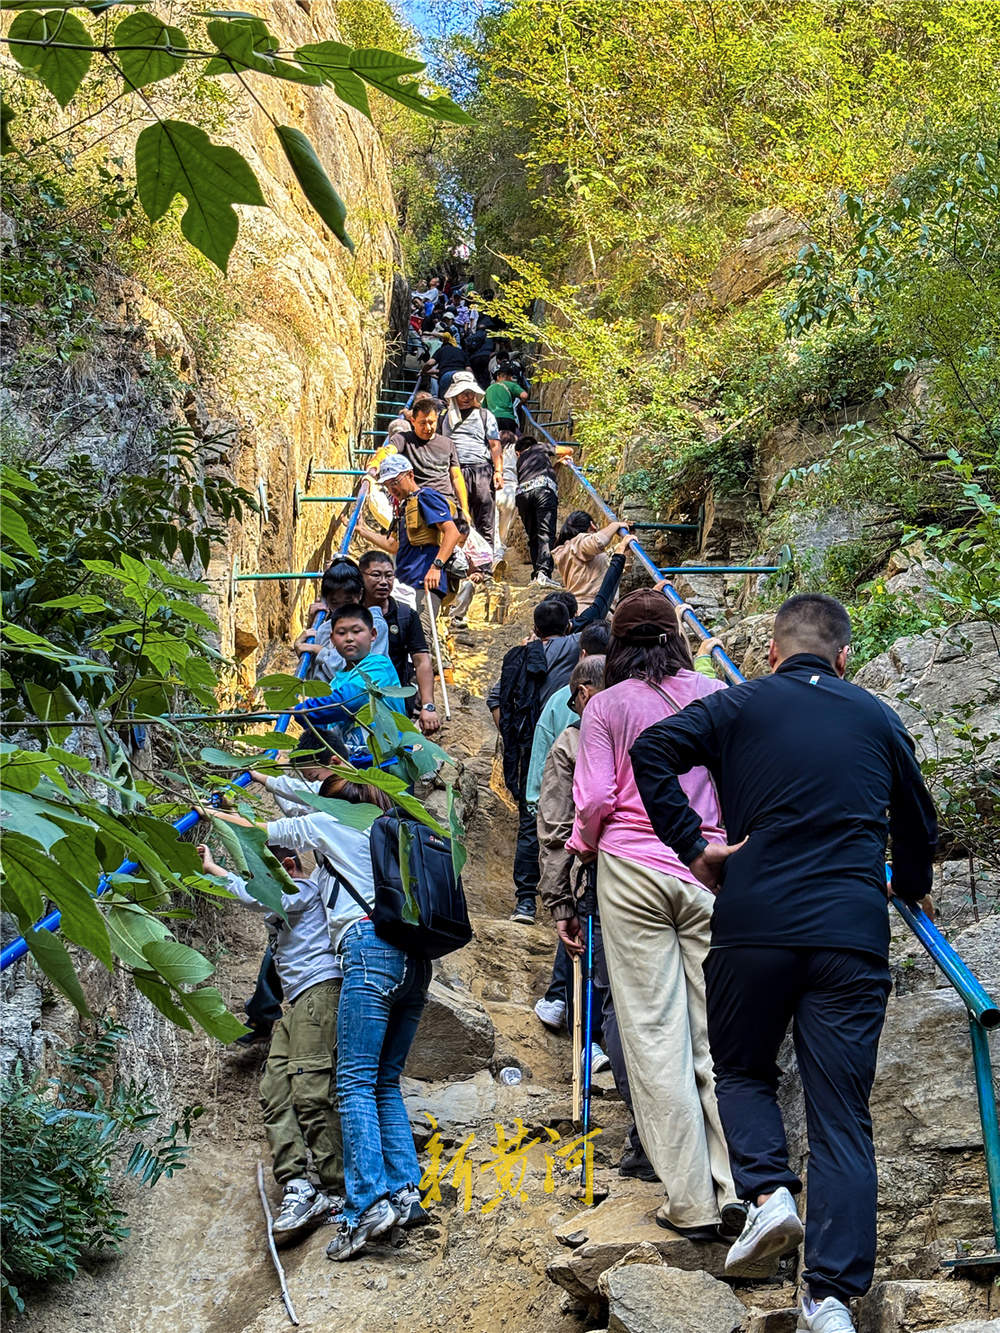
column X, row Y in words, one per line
column 512, row 1245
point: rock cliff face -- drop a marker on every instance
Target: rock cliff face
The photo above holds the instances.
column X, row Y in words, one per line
column 282, row 357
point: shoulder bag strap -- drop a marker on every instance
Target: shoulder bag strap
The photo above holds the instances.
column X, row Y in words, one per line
column 664, row 694
column 341, row 878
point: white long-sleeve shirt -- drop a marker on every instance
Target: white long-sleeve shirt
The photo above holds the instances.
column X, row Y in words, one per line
column 339, row 850
column 284, row 788
column 301, row 946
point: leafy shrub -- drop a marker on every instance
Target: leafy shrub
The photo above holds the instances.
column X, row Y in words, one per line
column 61, row 1151
column 879, row 618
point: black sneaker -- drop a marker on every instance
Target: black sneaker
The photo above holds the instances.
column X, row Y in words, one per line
column 524, row 911
column 637, row 1166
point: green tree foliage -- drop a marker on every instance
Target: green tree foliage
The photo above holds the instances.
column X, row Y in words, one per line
column 632, row 140
column 63, row 45
column 62, row 1151
column 431, row 212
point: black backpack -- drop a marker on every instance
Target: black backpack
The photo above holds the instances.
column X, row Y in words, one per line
column 442, row 923
column 522, row 679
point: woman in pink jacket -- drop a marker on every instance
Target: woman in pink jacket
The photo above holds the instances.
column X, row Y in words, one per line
column 655, row 916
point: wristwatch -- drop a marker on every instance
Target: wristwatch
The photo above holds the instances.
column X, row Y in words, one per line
column 438, row 564
column 428, row 708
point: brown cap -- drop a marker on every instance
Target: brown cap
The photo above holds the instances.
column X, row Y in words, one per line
column 644, row 616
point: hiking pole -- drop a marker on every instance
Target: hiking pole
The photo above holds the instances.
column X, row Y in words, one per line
column 437, row 653
column 577, row 1035
column 271, row 1246
column 586, row 908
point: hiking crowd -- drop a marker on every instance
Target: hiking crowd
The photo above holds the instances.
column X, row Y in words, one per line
column 735, row 839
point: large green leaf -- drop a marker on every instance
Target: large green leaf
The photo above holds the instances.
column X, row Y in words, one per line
column 459, row 851
column 177, row 963
column 160, row 994
column 332, row 62
column 316, row 184
column 173, row 158
column 82, row 921
column 61, row 68
column 384, row 70
column 21, row 893
column 15, row 532
column 247, row 44
column 358, row 816
column 208, row 1009
column 143, row 67
column 24, row 812
column 50, row 954
column 131, row 929
column 52, row 706
column 266, row 878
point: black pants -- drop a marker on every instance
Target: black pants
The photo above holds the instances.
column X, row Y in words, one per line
column 526, row 854
column 482, row 502
column 538, row 511
column 263, row 1009
column 836, row 1001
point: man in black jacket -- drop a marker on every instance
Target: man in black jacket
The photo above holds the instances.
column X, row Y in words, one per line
column 807, row 767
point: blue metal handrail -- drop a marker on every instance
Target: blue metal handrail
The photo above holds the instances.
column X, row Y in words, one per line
column 984, row 1013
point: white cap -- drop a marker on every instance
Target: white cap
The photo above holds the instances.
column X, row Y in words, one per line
column 393, row 466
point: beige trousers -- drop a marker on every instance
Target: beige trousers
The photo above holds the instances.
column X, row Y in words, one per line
column 656, row 935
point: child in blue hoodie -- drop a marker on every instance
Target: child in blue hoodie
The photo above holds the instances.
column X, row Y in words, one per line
column 334, row 716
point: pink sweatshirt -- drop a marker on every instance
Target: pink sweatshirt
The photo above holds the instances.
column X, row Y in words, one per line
column 610, row 815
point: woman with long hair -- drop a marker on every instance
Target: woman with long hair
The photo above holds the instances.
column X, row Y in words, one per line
column 656, row 917
column 580, row 554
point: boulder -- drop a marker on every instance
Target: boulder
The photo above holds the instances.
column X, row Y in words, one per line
column 454, row 1039
column 942, row 674
column 604, row 1235
column 908, row 1307
column 969, row 1326
column 773, row 237
column 643, row 1298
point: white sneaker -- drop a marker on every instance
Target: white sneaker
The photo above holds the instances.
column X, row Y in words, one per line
column 771, row 1230
column 830, row 1316
column 543, row 581
column 551, row 1012
column 302, row 1207
column 598, row 1059
column 411, row 1212
column 373, row 1222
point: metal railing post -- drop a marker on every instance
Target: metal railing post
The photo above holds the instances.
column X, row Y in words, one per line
column 983, row 1067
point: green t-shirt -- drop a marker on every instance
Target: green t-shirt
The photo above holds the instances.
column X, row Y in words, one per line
column 501, row 397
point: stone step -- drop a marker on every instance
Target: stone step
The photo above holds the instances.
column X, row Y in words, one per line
column 597, row 1238
column 915, row 1306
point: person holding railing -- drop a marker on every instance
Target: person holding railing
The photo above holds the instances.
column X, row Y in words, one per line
column 656, row 917
column 807, row 767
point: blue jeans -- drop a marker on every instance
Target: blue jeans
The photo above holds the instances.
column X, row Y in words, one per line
column 381, row 1001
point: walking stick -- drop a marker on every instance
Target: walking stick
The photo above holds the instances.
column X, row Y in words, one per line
column 586, row 908
column 271, row 1246
column 577, row 1035
column 437, row 653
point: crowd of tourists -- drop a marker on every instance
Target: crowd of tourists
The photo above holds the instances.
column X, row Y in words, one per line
column 736, row 838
